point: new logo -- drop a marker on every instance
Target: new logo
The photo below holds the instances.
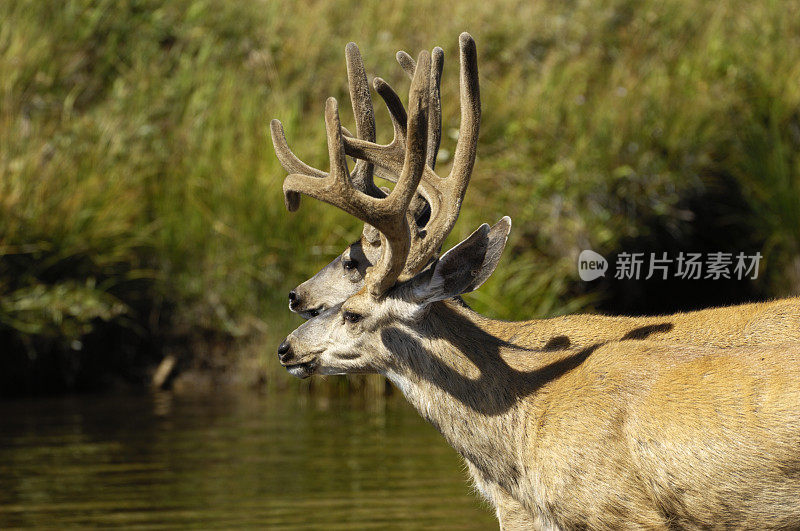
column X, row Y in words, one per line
column 591, row 265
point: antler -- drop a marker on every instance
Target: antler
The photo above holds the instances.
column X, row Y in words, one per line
column 388, row 214
column 361, row 101
column 443, row 194
column 435, row 120
column 364, row 171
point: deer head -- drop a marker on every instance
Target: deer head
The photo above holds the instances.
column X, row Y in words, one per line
column 356, row 336
column 433, row 211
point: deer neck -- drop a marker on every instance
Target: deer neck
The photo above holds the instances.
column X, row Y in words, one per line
column 456, row 376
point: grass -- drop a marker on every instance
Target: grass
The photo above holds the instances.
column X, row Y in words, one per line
column 140, row 202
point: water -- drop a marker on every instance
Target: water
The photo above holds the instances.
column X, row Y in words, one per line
column 228, row 461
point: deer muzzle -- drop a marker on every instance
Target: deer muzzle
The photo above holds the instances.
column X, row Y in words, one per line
column 297, row 365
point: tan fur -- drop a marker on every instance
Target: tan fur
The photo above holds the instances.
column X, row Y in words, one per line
column 741, row 325
column 744, row 324
column 626, row 435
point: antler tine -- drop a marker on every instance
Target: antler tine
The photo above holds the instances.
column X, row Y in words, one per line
column 362, row 176
column 396, row 110
column 363, row 172
column 366, row 151
column 290, row 162
column 435, row 121
column 388, row 215
column 406, row 62
column 467, row 145
column 433, row 197
column 389, row 156
column 454, row 187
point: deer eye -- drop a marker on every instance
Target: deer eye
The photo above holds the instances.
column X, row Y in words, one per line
column 352, row 317
column 350, row 264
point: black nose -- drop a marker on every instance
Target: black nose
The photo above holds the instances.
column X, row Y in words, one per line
column 292, row 296
column 284, row 351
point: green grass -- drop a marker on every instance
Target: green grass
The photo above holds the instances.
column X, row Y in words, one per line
column 140, row 199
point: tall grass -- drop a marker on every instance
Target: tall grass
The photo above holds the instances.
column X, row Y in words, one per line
column 140, row 202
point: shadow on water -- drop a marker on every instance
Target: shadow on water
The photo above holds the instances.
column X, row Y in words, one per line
column 228, row 461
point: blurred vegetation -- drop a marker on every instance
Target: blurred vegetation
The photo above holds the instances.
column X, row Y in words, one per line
column 140, row 202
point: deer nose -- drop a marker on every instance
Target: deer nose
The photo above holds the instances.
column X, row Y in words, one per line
column 292, row 296
column 284, row 351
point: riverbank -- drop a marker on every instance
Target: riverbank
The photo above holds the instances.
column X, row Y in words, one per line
column 141, row 213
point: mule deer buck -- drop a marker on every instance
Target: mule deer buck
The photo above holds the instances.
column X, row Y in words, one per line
column 627, row 434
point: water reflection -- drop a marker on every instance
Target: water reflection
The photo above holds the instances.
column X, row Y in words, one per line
column 229, row 461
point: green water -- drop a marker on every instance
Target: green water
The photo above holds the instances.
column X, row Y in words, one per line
column 228, row 461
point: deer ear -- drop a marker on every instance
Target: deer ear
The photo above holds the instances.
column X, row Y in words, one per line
column 464, row 267
column 496, row 243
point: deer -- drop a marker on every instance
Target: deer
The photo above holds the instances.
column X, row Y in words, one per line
column 512, row 410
